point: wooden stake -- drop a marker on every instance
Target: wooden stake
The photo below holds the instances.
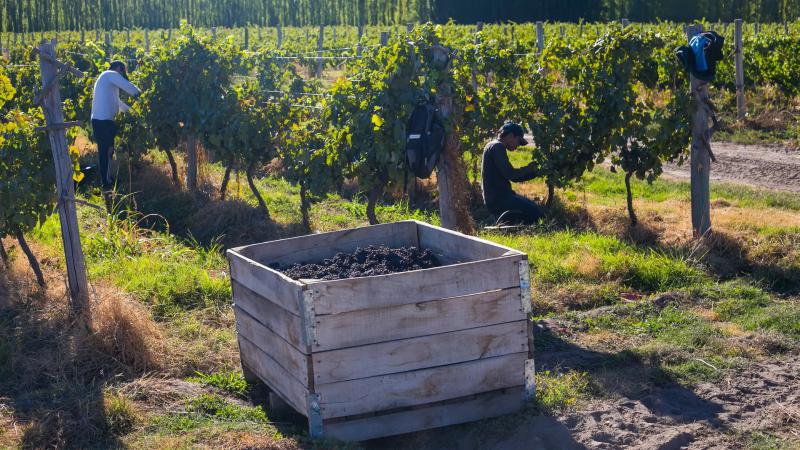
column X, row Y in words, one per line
column 540, row 37
column 384, row 38
column 191, row 162
column 359, row 48
column 700, row 153
column 320, row 38
column 451, row 172
column 741, row 107
column 70, row 234
column 280, row 37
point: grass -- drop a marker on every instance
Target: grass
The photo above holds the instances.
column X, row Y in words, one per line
column 655, row 310
column 229, row 381
column 121, row 414
column 559, row 392
column 607, row 188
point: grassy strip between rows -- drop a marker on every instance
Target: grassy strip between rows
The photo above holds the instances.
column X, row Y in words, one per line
column 665, row 306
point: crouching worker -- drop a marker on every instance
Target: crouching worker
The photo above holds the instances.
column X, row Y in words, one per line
column 105, row 105
column 497, row 173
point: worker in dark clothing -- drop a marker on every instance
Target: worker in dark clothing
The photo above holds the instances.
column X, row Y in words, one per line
column 498, row 173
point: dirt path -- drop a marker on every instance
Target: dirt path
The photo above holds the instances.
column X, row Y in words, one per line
column 769, row 166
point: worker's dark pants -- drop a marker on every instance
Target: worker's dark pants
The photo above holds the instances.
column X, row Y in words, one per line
column 104, row 133
column 526, row 207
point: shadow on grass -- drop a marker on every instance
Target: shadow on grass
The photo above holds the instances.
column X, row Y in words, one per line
column 51, row 376
column 628, row 375
column 200, row 217
column 773, row 260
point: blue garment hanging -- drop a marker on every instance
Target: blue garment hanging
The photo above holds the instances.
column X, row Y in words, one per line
column 698, row 45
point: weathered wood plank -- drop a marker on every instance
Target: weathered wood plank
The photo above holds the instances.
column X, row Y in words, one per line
column 457, row 247
column 290, row 358
column 281, row 322
column 369, row 326
column 265, row 282
column 420, row 353
column 351, row 294
column 315, row 247
column 482, row 406
column 273, row 375
column 404, row 389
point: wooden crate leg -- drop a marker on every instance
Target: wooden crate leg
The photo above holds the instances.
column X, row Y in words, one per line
column 250, row 376
column 530, row 380
column 314, row 417
column 278, row 406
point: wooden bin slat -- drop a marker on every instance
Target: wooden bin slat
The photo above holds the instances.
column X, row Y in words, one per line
column 491, row 404
column 399, row 390
column 315, row 247
column 351, row 294
column 282, row 322
column 290, row 358
column 375, row 325
column 266, row 282
column 420, row 352
column 275, row 376
column 456, row 246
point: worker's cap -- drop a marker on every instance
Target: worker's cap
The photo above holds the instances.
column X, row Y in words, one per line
column 119, row 66
column 515, row 129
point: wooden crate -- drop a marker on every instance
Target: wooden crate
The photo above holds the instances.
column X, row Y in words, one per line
column 376, row 356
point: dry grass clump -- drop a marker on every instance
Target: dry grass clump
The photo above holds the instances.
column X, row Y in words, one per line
column 53, row 366
column 123, row 330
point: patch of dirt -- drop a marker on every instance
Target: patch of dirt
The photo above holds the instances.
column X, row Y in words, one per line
column 364, row 262
column 765, row 396
column 769, row 166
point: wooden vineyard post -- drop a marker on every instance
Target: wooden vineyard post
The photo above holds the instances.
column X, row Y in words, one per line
column 320, row 38
column 213, row 33
column 625, row 23
column 146, row 40
column 50, row 98
column 384, row 38
column 540, row 37
column 451, row 172
column 191, row 162
column 280, row 37
column 478, row 30
column 700, row 152
column 108, row 46
column 741, row 107
column 359, row 47
column 246, row 38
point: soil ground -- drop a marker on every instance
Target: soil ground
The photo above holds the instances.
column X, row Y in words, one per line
column 769, row 166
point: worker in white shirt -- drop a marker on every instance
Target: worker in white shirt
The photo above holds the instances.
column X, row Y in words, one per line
column 105, row 105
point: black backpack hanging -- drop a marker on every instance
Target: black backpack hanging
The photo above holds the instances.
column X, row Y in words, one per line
column 424, row 140
column 712, row 53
